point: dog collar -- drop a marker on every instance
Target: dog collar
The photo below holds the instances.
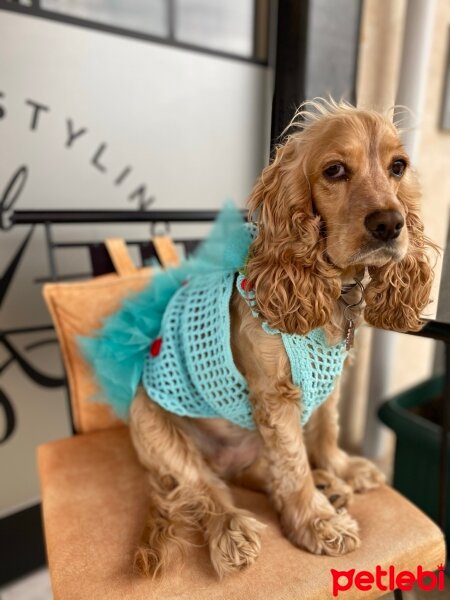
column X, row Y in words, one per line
column 348, row 308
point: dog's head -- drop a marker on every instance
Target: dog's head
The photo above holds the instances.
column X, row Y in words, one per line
column 339, row 196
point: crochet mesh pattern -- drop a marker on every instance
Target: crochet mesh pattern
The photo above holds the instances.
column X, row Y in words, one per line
column 315, row 366
column 193, row 372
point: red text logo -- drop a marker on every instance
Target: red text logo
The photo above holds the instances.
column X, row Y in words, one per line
column 387, row 579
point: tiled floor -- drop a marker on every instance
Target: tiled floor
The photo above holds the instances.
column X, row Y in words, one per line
column 37, row 587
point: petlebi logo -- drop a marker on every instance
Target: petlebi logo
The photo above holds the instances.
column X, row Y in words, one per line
column 387, row 580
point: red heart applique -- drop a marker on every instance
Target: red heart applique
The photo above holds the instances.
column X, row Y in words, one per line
column 155, row 348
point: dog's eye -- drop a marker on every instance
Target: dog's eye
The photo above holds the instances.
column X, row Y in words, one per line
column 336, row 171
column 398, row 167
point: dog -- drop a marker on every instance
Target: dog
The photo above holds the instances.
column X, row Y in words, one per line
column 339, row 240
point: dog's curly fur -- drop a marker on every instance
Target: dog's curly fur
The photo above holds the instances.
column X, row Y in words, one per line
column 312, row 238
column 297, row 284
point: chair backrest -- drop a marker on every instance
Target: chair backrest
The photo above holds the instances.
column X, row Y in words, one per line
column 77, row 308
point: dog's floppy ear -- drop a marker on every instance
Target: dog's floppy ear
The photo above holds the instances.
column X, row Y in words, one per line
column 294, row 285
column 398, row 292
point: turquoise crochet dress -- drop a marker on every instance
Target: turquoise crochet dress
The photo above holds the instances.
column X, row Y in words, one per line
column 174, row 338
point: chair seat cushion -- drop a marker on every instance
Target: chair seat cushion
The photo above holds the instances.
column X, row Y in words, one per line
column 94, row 505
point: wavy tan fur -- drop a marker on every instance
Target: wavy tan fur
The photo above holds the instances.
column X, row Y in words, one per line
column 308, row 228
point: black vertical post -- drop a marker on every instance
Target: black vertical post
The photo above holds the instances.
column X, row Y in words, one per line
column 290, row 64
column 50, row 251
column 262, row 10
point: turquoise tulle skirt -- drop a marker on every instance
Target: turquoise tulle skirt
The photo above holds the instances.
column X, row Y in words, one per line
column 117, row 351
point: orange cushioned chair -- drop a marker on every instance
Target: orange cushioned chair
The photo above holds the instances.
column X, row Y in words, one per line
column 94, row 497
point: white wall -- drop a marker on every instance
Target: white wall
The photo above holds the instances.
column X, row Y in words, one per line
column 190, row 125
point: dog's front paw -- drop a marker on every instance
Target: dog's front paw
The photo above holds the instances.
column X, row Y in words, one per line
column 322, row 530
column 339, row 493
column 234, row 542
column 335, row 535
column 362, row 475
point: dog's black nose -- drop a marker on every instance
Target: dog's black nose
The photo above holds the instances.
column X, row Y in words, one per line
column 384, row 225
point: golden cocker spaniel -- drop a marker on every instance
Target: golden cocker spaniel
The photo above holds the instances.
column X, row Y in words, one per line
column 338, row 202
